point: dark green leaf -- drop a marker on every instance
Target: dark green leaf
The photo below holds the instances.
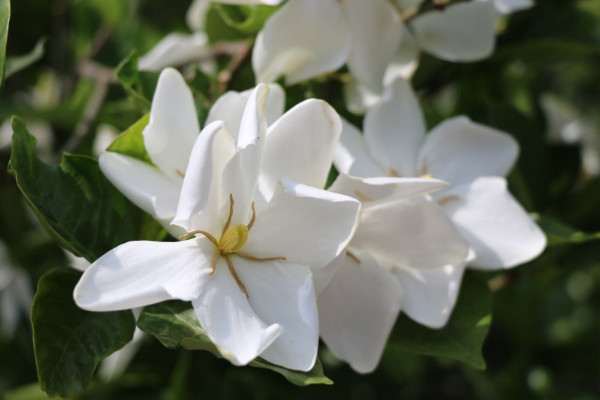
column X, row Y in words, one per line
column 131, row 142
column 15, row 64
column 75, row 202
column 174, row 324
column 4, row 20
column 69, row 342
column 559, row 233
column 461, row 339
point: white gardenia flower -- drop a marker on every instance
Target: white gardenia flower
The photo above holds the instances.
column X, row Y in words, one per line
column 406, row 255
column 16, row 295
column 306, row 38
column 473, row 158
column 246, row 267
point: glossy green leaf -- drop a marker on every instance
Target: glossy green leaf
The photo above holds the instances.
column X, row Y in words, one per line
column 69, row 342
column 75, row 202
column 4, row 21
column 559, row 233
column 461, row 339
column 16, row 64
column 131, row 142
column 174, row 324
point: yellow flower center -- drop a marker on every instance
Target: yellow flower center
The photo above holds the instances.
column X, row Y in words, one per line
column 233, row 239
column 231, row 242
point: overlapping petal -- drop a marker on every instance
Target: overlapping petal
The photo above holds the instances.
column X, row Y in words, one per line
column 357, row 311
column 200, row 199
column 429, row 294
column 376, row 33
column 498, row 229
column 412, row 231
column 352, row 156
column 300, row 146
column 229, row 320
column 304, row 38
column 459, row 150
column 173, row 126
column 229, row 108
column 143, row 184
column 136, row 274
column 319, row 228
column 282, row 292
column 394, row 130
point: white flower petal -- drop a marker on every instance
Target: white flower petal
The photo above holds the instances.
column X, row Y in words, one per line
column 196, row 14
column 405, row 61
column 384, row 188
column 510, row 6
column 173, row 50
column 145, row 185
column 352, row 155
column 137, row 274
column 282, row 293
column 498, row 229
column 200, row 200
column 229, row 320
column 460, row 32
column 459, row 150
column 300, row 146
column 357, row 311
column 411, row 231
column 394, row 129
column 303, row 39
column 429, row 294
column 306, row 225
column 229, row 108
column 240, row 175
column 376, row 32
column 322, row 277
column 173, row 126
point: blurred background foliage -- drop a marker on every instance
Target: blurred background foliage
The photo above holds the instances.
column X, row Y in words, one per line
column 544, row 341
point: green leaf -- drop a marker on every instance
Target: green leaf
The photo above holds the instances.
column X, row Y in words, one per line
column 559, row 233
column 245, row 19
column 461, row 339
column 174, row 324
column 15, row 64
column 131, row 142
column 4, row 20
column 138, row 84
column 218, row 30
column 75, row 202
column 69, row 342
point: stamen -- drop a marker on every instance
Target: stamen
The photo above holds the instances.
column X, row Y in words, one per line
column 230, row 214
column 253, row 217
column 181, row 174
column 259, row 259
column 352, row 256
column 394, row 173
column 426, row 176
column 235, row 276
column 194, row 233
column 446, row 199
